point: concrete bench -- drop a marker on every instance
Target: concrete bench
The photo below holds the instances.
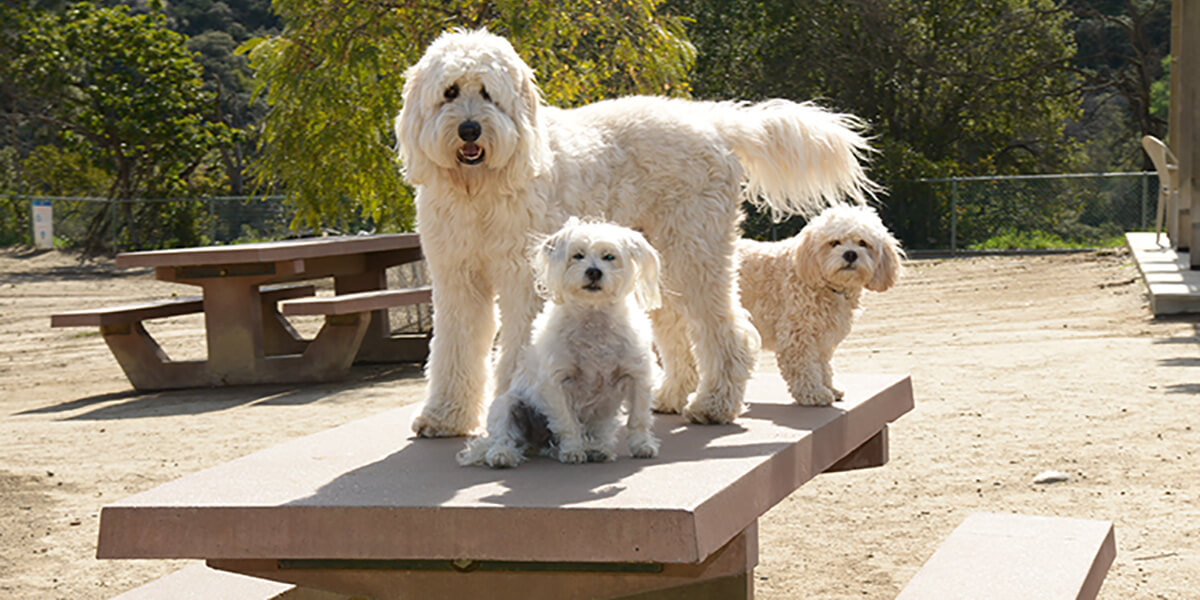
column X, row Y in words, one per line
column 349, row 318
column 144, row 361
column 1002, row 556
column 127, row 314
column 199, row 582
column 358, row 302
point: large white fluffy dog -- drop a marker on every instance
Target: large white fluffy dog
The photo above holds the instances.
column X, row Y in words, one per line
column 591, row 354
column 802, row 292
column 492, row 166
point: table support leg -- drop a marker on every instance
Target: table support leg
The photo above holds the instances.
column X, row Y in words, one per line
column 379, row 345
column 330, row 354
column 279, row 337
column 872, row 453
column 146, row 364
column 726, row 575
column 234, row 329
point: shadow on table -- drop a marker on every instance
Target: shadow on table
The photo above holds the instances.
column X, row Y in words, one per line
column 424, row 472
column 133, row 404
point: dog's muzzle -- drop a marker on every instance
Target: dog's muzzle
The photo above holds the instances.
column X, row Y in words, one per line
column 593, row 276
column 470, row 153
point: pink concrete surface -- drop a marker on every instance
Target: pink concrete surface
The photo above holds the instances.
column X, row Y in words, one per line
column 265, row 252
column 1003, row 556
column 368, row 490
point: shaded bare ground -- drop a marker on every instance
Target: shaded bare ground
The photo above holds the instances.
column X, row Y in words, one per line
column 1019, row 365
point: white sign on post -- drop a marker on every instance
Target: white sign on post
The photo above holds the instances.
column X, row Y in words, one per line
column 43, row 224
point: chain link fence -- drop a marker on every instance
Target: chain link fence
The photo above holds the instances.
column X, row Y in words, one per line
column 951, row 214
column 104, row 226
column 1020, row 212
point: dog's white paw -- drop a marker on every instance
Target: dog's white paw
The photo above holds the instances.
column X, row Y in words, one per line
column 501, row 456
column 600, row 455
column 642, row 444
column 451, row 424
column 572, row 455
column 814, row 395
column 712, row 409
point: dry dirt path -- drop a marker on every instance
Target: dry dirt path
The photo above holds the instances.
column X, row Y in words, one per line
column 1019, row 364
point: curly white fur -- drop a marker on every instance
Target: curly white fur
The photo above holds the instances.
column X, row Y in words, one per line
column 493, row 166
column 803, row 292
column 590, row 355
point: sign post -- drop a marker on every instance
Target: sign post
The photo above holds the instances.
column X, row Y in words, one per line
column 43, row 224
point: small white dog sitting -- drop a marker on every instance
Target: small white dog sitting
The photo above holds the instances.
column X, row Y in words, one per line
column 590, row 353
column 803, row 292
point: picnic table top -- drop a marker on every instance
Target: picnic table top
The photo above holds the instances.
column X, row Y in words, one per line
column 299, row 248
column 366, row 490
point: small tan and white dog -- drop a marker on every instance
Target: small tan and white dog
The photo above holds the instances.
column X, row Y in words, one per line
column 591, row 353
column 803, row 292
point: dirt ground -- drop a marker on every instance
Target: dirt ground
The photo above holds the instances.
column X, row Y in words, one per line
column 1019, row 365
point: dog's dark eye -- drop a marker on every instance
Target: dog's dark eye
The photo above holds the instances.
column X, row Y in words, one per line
column 578, row 256
column 483, row 92
column 864, row 244
column 609, row 257
column 451, row 92
column 834, row 243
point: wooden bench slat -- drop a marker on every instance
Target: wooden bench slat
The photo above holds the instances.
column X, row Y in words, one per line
column 158, row 309
column 1001, row 556
column 357, row 302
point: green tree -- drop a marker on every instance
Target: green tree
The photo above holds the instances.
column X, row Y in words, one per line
column 972, row 86
column 1122, row 47
column 333, row 80
column 53, row 171
column 125, row 89
column 948, row 86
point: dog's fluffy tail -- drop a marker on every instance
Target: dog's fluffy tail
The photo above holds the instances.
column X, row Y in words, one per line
column 799, row 157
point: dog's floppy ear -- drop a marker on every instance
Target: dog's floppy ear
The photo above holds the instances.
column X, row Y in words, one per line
column 887, row 269
column 417, row 168
column 645, row 259
column 531, row 156
column 806, row 258
column 547, row 253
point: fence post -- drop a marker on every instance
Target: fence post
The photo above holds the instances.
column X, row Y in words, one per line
column 954, row 216
column 1145, row 198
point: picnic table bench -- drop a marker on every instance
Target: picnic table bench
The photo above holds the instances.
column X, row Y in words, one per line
column 359, row 510
column 249, row 339
column 1003, row 556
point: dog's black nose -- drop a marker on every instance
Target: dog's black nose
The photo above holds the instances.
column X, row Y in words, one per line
column 849, row 256
column 468, row 131
column 593, row 274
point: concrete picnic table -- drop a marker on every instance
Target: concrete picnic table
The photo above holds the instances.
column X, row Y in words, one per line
column 363, row 511
column 249, row 341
